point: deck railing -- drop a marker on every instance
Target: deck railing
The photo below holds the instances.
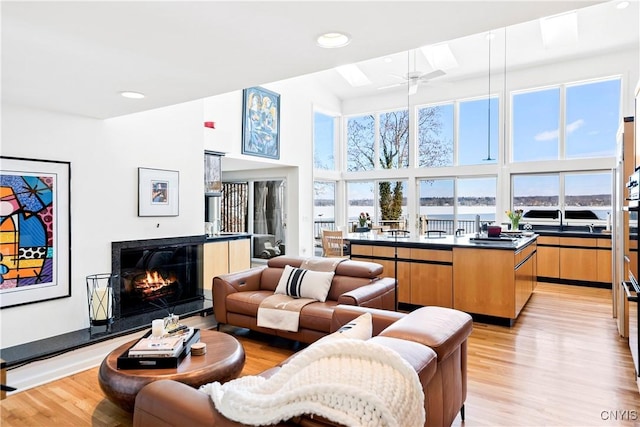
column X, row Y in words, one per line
column 446, row 225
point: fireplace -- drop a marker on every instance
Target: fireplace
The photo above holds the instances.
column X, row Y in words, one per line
column 156, row 277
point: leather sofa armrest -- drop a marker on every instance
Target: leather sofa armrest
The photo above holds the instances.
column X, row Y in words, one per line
column 442, row 329
column 379, row 294
column 167, row 403
column 343, row 314
column 226, row 284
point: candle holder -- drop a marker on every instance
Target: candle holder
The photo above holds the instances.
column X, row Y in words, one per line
column 101, row 300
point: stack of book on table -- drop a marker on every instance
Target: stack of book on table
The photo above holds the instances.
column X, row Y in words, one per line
column 164, row 352
column 157, row 347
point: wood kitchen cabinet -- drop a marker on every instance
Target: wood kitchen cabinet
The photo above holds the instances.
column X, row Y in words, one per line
column 432, row 280
column 578, row 259
column 604, row 261
column 582, row 259
column 493, row 282
column 548, row 257
column 419, row 281
column 239, row 255
column 385, row 256
column 225, row 256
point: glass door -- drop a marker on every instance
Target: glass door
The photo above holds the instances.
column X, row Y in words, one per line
column 269, row 218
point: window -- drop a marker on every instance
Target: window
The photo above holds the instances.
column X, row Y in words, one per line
column 476, row 145
column 360, row 198
column 360, row 143
column 587, row 192
column 435, row 136
column 536, row 192
column 324, row 206
column 476, row 196
column 394, row 139
column 581, row 195
column 324, row 133
column 536, row 120
column 437, row 204
column 593, row 117
column 393, row 203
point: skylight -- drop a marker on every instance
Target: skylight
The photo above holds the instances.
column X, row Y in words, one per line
column 440, row 56
column 559, row 30
column 353, row 75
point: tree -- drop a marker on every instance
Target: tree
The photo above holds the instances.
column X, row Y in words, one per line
column 393, row 149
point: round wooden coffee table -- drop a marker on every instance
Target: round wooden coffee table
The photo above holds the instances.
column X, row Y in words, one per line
column 223, row 361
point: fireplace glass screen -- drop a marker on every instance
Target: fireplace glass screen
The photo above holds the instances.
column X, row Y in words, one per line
column 159, row 277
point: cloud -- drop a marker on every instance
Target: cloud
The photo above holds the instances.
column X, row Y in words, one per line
column 549, row 135
column 573, row 126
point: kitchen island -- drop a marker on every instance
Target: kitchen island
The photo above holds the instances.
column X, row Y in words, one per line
column 480, row 276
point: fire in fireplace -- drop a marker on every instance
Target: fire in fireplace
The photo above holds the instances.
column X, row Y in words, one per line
column 158, row 274
column 151, row 285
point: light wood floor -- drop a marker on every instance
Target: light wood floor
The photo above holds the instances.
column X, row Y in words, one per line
column 562, row 364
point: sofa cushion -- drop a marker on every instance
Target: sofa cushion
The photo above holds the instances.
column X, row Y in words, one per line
column 317, row 316
column 246, row 302
column 301, row 283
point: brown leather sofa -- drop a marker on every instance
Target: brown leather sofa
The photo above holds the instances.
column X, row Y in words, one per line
column 237, row 296
column 431, row 339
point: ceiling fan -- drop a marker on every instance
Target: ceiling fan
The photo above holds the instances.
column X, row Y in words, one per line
column 413, row 79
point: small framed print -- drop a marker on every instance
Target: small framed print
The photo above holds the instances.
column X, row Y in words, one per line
column 158, row 192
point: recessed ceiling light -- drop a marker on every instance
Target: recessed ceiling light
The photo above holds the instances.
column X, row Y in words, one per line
column 132, row 95
column 333, row 40
column 622, row 5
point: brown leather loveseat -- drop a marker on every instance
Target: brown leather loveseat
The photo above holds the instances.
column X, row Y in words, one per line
column 237, row 296
column 433, row 340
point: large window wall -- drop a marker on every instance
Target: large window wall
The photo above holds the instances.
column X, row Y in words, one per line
column 553, row 133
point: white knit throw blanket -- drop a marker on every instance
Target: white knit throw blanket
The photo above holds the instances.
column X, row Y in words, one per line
column 348, row 381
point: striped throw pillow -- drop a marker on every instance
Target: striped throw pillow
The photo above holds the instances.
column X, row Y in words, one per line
column 301, row 283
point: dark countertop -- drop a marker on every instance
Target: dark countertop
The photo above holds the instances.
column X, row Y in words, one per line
column 581, row 231
column 444, row 242
column 227, row 236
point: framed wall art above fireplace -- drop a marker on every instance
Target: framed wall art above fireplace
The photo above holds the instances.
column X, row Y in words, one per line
column 158, row 192
column 35, row 230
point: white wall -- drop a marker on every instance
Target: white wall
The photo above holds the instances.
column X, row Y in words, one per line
column 104, row 156
column 297, row 99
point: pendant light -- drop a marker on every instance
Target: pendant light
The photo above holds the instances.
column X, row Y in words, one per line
column 489, row 37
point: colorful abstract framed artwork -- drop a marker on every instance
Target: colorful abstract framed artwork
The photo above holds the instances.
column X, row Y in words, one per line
column 261, row 123
column 35, row 231
column 158, row 192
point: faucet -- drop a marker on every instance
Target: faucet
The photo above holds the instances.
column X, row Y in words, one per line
column 560, row 214
column 590, row 228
